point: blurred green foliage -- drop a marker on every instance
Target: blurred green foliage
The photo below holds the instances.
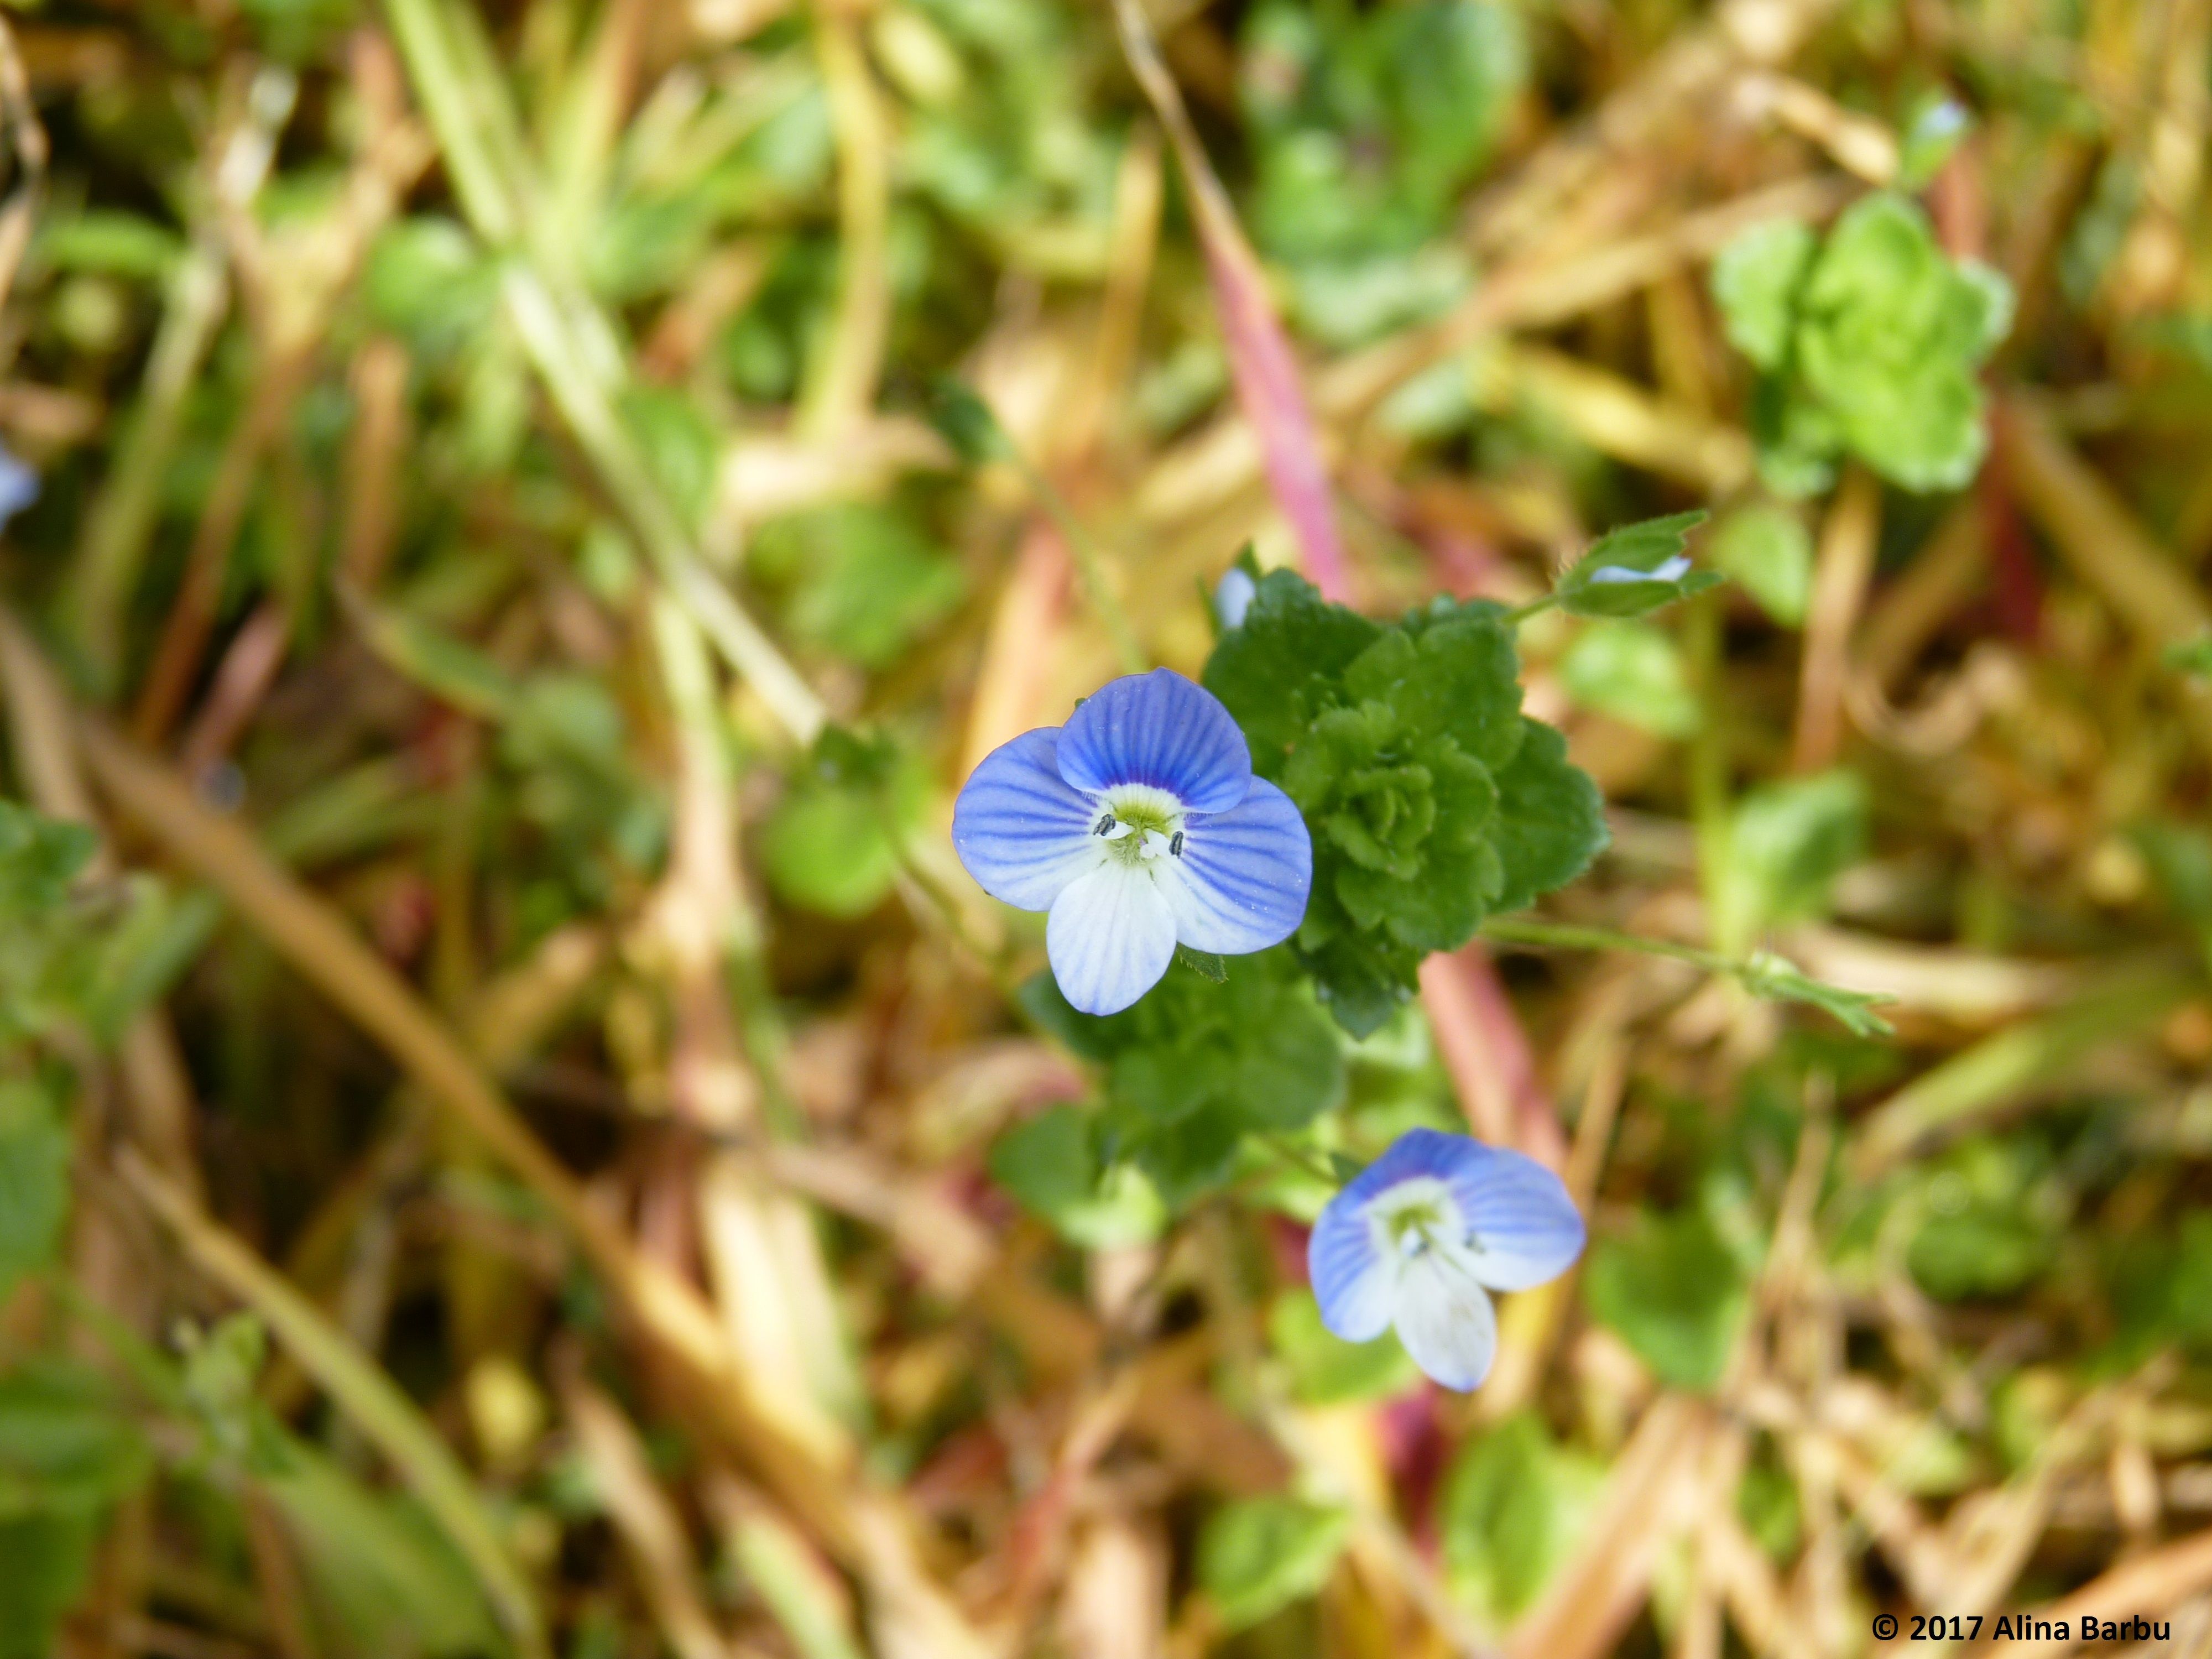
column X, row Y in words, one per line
column 1511, row 1513
column 1676, row 1289
column 1364, row 126
column 1769, row 553
column 1867, row 343
column 1257, row 1555
column 1324, row 1369
column 1635, row 672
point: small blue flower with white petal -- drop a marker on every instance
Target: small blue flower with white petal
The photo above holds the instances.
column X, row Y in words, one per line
column 1136, row 825
column 1420, row 1237
column 1233, row 596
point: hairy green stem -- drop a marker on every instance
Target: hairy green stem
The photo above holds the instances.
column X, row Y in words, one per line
column 1562, row 936
column 1535, row 607
column 1304, row 1158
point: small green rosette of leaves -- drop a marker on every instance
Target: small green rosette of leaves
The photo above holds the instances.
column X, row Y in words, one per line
column 1866, row 344
column 1432, row 801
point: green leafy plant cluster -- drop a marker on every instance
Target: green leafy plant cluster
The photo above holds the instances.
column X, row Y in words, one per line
column 1195, row 1065
column 1867, row 343
column 1432, row 801
column 72, row 955
column 1365, row 123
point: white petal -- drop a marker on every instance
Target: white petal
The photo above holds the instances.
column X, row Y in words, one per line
column 1110, row 936
column 1445, row 1320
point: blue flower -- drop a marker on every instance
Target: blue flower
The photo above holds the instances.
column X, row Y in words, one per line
column 1136, row 825
column 1233, row 596
column 1422, row 1236
column 19, row 486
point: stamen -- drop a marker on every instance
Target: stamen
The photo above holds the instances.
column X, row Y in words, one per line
column 1105, row 822
column 1175, row 844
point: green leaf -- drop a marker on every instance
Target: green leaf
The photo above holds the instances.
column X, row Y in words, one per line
column 66, row 1446
column 678, row 443
column 108, row 241
column 1755, row 282
column 1674, row 1291
column 451, row 669
column 2191, row 657
column 1051, row 1165
column 1450, row 671
column 2180, row 860
column 1551, row 820
column 40, row 857
column 832, row 843
column 827, row 850
column 1937, row 125
column 1325, row 1369
column 1634, row 672
column 68, row 1453
column 1362, row 979
column 1365, row 125
column 1207, row 964
column 382, row 1578
column 1258, row 1555
column 640, row 239
column 1512, row 1509
column 1767, row 975
column 34, row 1191
column 966, row 422
column 1766, row 1503
column 427, row 279
column 45, row 1562
column 1620, row 575
column 1787, row 841
column 1768, row 550
column 1991, row 1220
column 1889, row 339
column 1284, row 666
column 1871, row 345
column 860, row 580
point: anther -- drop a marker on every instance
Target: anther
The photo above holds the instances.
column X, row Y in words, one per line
column 1105, row 822
column 1175, row 843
